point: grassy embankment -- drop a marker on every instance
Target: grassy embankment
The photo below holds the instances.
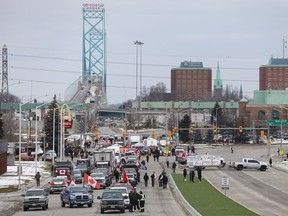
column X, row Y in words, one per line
column 207, row 200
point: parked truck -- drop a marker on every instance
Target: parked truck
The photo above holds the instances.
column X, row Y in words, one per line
column 203, row 161
column 64, row 168
column 105, row 158
column 249, row 163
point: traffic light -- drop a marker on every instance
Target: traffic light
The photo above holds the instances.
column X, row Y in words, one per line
column 191, row 129
column 92, row 128
column 124, row 135
column 215, row 129
column 240, row 129
column 153, row 134
column 262, row 133
column 169, row 134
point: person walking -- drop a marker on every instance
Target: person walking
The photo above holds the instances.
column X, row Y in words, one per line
column 37, row 177
column 153, row 178
column 232, row 150
column 174, row 165
column 192, row 175
column 199, row 173
column 142, row 201
column 160, row 179
column 167, row 163
column 270, row 162
column 184, row 173
column 147, row 158
column 165, row 181
column 146, row 179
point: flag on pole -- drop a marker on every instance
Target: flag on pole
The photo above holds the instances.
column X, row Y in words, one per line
column 71, row 183
column 125, row 178
column 91, row 181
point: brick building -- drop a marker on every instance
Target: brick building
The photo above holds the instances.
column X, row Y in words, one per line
column 191, row 82
column 274, row 76
column 3, row 156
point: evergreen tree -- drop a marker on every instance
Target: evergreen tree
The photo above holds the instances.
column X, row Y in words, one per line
column 217, row 115
column 49, row 125
column 184, row 134
column 1, row 126
column 197, row 136
column 210, row 136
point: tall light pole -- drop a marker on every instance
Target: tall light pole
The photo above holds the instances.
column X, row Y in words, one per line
column 36, row 138
column 140, row 44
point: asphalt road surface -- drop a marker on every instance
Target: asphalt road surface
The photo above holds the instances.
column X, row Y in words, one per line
column 265, row 193
column 158, row 201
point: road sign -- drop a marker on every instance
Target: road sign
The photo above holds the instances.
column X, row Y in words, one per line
column 225, row 183
column 275, row 122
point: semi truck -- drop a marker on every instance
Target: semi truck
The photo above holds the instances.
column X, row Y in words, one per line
column 105, row 158
column 64, row 168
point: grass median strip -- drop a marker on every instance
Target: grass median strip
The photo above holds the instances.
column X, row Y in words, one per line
column 207, row 200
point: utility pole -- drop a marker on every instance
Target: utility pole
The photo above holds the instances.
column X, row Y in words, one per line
column 4, row 91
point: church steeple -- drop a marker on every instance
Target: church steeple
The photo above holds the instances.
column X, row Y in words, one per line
column 218, row 81
column 218, row 87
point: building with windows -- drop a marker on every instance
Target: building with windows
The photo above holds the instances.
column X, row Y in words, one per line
column 274, row 76
column 191, row 82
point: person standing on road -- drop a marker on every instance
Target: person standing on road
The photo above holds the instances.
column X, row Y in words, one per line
column 167, row 162
column 142, row 201
column 132, row 200
column 199, row 173
column 165, row 181
column 160, row 179
column 192, row 175
column 37, row 177
column 153, row 178
column 184, row 173
column 146, row 179
column 270, row 162
column 174, row 166
column 147, row 158
column 232, row 150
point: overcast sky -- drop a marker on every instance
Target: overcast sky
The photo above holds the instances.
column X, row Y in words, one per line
column 44, row 41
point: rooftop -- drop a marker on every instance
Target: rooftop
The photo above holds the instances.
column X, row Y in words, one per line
column 278, row 61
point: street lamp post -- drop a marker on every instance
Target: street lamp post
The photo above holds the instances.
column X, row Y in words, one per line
column 36, row 138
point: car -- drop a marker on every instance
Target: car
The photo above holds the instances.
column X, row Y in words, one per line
column 125, row 193
column 35, row 198
column 107, row 173
column 77, row 176
column 57, row 184
column 76, row 195
column 100, row 178
column 132, row 179
column 133, row 171
column 49, row 155
column 145, row 150
column 121, row 184
column 112, row 200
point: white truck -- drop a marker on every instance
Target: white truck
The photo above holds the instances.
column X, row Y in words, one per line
column 203, row 161
column 105, row 158
column 134, row 139
column 249, row 163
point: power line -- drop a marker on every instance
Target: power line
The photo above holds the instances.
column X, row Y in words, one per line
column 124, row 63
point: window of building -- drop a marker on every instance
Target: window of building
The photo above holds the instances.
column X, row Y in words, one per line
column 269, row 74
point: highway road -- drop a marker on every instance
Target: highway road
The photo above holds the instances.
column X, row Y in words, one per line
column 159, row 202
column 265, row 193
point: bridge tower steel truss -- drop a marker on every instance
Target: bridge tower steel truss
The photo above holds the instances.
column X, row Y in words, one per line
column 5, row 90
column 94, row 43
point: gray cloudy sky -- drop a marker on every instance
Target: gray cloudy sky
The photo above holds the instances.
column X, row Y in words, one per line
column 44, row 41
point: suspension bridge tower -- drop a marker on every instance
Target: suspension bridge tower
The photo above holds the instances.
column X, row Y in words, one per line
column 94, row 45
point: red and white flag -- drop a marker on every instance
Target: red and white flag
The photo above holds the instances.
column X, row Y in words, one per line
column 72, row 183
column 91, row 181
column 125, row 178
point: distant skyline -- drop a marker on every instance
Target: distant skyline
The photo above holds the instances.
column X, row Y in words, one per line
column 44, row 40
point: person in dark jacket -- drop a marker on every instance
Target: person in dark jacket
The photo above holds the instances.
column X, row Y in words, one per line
column 199, row 173
column 132, row 200
column 184, row 173
column 147, row 158
column 37, row 177
column 153, row 178
column 160, row 179
column 174, row 165
column 192, row 175
column 165, row 181
column 146, row 179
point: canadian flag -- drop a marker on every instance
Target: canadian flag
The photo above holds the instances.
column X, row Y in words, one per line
column 71, row 183
column 125, row 178
column 91, row 181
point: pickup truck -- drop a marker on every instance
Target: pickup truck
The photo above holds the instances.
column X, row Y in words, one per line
column 35, row 198
column 249, row 163
column 76, row 196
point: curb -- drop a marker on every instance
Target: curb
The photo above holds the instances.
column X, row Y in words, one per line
column 188, row 209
